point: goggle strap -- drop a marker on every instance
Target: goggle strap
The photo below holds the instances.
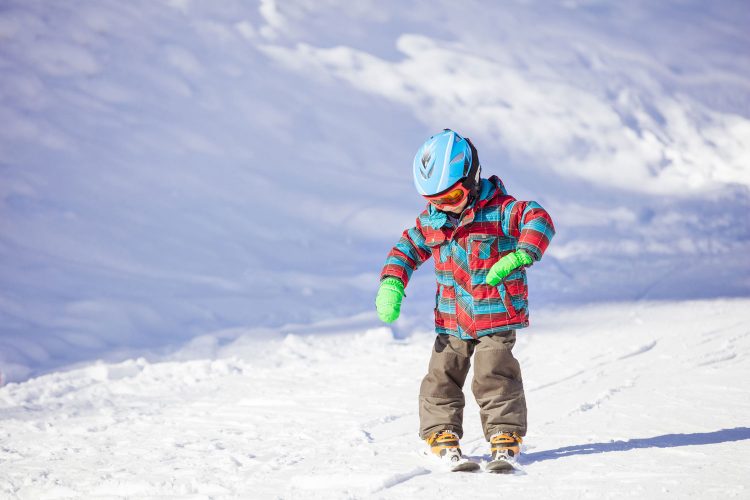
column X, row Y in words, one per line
column 471, row 181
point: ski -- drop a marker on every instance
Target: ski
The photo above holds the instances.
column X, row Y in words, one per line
column 453, row 463
column 500, row 466
column 465, row 466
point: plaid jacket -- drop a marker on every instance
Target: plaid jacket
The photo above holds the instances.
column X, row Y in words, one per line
column 494, row 226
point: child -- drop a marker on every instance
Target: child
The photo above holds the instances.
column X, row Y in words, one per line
column 482, row 240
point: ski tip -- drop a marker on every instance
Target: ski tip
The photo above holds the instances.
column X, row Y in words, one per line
column 467, row 466
column 501, row 467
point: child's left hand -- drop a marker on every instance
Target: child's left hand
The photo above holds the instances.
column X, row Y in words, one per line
column 506, row 265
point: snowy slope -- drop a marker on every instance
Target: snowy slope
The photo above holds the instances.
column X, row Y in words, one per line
column 636, row 401
column 199, row 195
column 171, row 168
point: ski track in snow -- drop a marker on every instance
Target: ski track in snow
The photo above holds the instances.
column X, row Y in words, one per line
column 627, row 401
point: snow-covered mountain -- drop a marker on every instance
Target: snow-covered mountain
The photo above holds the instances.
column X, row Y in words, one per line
column 176, row 167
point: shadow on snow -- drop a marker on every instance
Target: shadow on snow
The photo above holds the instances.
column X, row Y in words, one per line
column 664, row 441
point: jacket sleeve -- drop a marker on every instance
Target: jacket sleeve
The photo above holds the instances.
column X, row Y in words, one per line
column 530, row 224
column 408, row 254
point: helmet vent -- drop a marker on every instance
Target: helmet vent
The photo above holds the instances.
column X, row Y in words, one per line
column 428, row 164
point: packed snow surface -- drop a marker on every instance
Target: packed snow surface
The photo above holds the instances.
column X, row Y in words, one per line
column 645, row 400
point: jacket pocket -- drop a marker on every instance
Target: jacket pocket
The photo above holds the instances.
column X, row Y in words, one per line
column 517, row 290
column 507, row 300
column 445, row 307
column 482, row 252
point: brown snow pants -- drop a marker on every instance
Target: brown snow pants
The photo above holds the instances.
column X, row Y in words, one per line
column 497, row 385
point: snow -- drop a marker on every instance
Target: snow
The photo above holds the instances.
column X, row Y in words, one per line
column 196, row 199
column 625, row 400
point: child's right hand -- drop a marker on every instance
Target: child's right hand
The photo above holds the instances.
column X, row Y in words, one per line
column 388, row 300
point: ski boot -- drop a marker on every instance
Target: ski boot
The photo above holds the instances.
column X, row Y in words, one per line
column 505, row 448
column 444, row 445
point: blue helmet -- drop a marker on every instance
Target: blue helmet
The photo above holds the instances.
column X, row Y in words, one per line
column 442, row 161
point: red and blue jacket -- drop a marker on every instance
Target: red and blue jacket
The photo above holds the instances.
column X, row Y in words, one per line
column 493, row 226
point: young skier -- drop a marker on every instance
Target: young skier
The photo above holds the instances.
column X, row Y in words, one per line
column 482, row 240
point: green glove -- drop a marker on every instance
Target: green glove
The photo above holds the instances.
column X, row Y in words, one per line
column 507, row 265
column 388, row 300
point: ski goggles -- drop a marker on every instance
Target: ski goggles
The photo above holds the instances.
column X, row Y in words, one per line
column 450, row 197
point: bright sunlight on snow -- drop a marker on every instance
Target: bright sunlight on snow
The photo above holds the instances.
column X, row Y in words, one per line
column 196, row 199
